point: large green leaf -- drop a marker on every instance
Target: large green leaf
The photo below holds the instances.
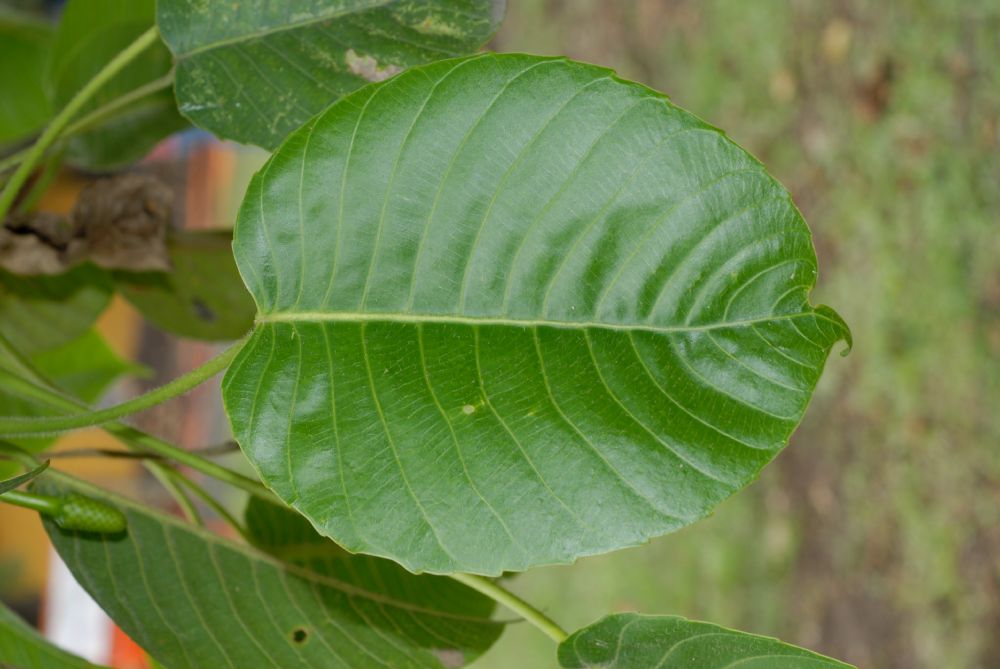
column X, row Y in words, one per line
column 201, row 297
column 194, row 600
column 24, row 43
column 21, row 647
column 43, row 312
column 254, row 71
column 514, row 310
column 91, row 32
column 633, row 641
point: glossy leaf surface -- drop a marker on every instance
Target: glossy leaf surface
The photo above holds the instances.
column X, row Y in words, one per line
column 22, row 647
column 24, row 44
column 91, row 33
column 195, row 600
column 632, row 641
column 513, row 311
column 201, row 297
column 254, row 71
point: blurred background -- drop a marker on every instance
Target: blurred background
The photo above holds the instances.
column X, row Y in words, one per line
column 875, row 537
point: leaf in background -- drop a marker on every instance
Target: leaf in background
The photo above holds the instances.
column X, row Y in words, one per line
column 42, row 312
column 254, row 71
column 633, row 641
column 18, row 481
column 203, row 295
column 24, row 44
column 90, row 33
column 548, row 312
column 22, row 647
column 207, row 602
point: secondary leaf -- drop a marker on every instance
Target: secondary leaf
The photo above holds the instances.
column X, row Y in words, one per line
column 254, row 71
column 90, row 33
column 288, row 536
column 202, row 296
column 632, row 641
column 24, row 43
column 515, row 310
column 21, row 647
column 208, row 602
column 42, row 312
column 21, row 479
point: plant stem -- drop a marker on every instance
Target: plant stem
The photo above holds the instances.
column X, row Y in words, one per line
column 522, row 608
column 49, row 506
column 41, row 390
column 95, row 117
column 20, row 425
column 107, row 111
column 163, row 474
column 147, row 442
column 222, row 512
column 62, row 119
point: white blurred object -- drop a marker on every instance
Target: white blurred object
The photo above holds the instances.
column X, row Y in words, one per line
column 74, row 621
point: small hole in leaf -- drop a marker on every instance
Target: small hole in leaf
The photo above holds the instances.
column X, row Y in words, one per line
column 300, row 635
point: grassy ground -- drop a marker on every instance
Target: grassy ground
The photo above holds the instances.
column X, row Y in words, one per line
column 876, row 536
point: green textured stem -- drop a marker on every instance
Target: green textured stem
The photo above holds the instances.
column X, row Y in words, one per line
column 108, row 111
column 522, row 608
column 18, row 425
column 50, row 506
column 216, row 506
column 62, row 119
column 147, row 442
column 165, row 475
column 131, row 437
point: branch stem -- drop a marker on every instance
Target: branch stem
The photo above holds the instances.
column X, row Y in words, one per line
column 38, row 388
column 522, row 608
column 19, row 425
column 44, row 504
column 62, row 119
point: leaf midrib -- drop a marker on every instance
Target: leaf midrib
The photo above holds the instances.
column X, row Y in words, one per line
column 288, row 27
column 439, row 319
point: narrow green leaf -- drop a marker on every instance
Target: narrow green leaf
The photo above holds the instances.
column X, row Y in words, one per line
column 203, row 295
column 24, row 44
column 254, row 71
column 633, row 641
column 21, row 647
column 92, row 32
column 195, row 600
column 21, row 479
column 42, row 312
column 547, row 311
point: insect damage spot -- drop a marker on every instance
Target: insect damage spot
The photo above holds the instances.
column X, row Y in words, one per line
column 300, row 635
column 367, row 67
column 468, row 409
column 435, row 26
column 449, row 657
